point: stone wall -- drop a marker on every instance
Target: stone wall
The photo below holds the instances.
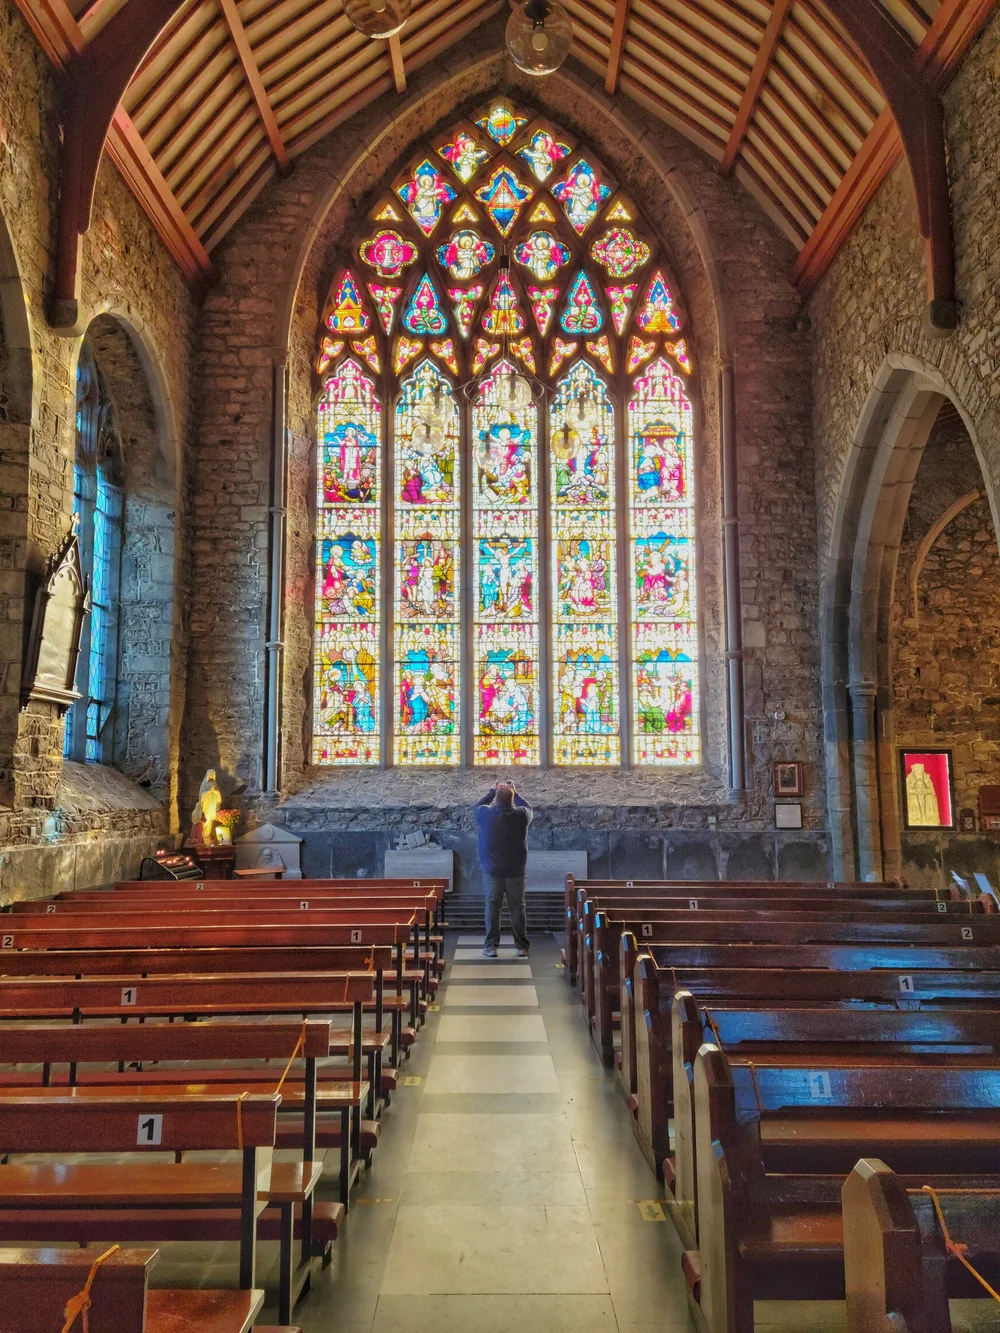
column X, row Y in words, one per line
column 732, row 266
column 867, row 314
column 127, row 275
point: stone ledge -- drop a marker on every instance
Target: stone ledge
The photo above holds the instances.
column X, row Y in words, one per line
column 99, row 789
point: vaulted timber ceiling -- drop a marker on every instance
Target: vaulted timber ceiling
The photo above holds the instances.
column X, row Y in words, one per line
column 775, row 91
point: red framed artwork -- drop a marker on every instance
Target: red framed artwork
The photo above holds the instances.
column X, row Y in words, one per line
column 928, row 793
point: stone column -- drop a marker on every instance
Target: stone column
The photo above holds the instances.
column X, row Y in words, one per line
column 866, row 790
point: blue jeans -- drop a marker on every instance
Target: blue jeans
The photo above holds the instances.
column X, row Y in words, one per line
column 494, row 888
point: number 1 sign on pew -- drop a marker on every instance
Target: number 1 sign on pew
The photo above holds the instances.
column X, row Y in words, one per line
column 150, row 1131
column 129, row 994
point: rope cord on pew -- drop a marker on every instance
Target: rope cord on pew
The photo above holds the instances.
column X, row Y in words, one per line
column 239, row 1119
column 956, row 1247
column 299, row 1047
column 79, row 1305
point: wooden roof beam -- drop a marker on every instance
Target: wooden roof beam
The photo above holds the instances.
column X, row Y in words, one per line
column 758, row 77
column 919, row 115
column 251, row 73
column 95, row 83
column 622, row 8
column 398, row 64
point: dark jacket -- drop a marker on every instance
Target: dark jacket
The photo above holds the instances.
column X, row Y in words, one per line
column 503, row 835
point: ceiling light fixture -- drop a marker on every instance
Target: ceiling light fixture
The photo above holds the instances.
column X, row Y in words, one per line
column 378, row 18
column 539, row 36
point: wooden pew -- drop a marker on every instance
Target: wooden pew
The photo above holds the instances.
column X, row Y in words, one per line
column 907, row 979
column 83, row 909
column 648, row 911
column 378, row 960
column 577, row 892
column 35, row 1286
column 762, row 928
column 66, row 1201
column 774, row 1146
column 824, row 1037
column 245, row 995
column 898, row 1273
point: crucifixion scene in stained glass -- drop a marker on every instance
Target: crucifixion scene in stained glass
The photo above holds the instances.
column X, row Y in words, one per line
column 506, row 535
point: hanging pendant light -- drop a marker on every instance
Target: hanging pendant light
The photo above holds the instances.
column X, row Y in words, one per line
column 378, row 18
column 539, row 36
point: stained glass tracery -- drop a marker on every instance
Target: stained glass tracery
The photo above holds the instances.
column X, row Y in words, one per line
column 504, row 252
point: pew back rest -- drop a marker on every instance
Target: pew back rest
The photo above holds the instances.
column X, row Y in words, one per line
column 742, row 1031
column 738, row 958
column 121, row 1123
column 159, row 962
column 185, row 994
column 27, row 1043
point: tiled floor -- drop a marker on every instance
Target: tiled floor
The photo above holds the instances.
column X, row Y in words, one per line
column 504, row 1194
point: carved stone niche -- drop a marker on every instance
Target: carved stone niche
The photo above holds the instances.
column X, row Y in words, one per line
column 269, row 847
column 61, row 604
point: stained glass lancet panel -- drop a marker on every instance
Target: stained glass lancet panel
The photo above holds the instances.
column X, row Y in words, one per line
column 505, row 580
column 425, row 595
column 585, row 681
column 662, row 540
column 346, row 691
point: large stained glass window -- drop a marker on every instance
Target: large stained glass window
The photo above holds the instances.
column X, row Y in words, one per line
column 505, row 509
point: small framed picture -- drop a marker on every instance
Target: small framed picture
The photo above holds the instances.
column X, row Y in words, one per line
column 788, row 779
column 928, row 789
column 788, row 815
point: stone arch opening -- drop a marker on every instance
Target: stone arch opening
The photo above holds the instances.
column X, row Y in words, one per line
column 145, row 731
column 865, row 586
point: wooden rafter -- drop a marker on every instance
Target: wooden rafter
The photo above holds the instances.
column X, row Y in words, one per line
column 622, row 8
column 251, row 73
column 398, row 64
column 956, row 25
column 758, row 76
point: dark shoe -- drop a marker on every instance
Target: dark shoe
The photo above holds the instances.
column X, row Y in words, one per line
column 522, row 953
column 490, row 951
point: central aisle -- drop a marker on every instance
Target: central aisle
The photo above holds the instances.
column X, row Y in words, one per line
column 506, row 1195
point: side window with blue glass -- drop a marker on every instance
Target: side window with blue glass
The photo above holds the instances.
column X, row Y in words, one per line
column 97, row 499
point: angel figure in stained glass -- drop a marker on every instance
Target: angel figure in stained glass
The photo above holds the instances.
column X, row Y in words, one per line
column 581, row 195
column 660, row 464
column 464, row 155
column 542, row 152
column 505, row 579
column 425, row 195
column 348, row 464
column 465, row 254
column 542, row 255
column 504, row 466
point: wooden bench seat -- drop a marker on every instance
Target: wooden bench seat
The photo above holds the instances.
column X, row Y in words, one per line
column 775, row 1143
